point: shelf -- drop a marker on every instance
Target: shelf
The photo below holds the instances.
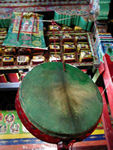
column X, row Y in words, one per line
column 4, row 69
column 8, row 69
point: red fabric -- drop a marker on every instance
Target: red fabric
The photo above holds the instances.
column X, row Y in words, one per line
column 13, row 77
column 20, row 26
column 3, row 78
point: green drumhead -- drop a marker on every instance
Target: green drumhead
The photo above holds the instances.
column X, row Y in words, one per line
column 59, row 103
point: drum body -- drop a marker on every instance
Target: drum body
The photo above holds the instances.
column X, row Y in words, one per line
column 56, row 105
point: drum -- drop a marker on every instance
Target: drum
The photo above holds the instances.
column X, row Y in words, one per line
column 57, row 105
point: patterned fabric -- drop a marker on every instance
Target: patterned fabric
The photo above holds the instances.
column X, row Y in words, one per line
column 23, row 3
column 9, row 6
column 6, row 13
column 104, row 6
column 104, row 45
column 26, row 30
column 78, row 9
column 72, row 17
column 74, row 10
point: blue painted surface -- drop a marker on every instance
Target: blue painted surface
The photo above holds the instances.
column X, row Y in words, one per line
column 95, row 137
column 36, row 141
column 20, row 141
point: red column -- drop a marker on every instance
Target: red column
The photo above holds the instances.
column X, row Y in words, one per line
column 107, row 123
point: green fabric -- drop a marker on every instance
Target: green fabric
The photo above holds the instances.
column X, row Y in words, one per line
column 83, row 23
column 73, row 20
column 104, row 10
column 60, row 103
column 89, row 25
column 31, row 32
column 77, row 18
column 63, row 19
column 102, row 18
column 5, row 23
column 104, row 1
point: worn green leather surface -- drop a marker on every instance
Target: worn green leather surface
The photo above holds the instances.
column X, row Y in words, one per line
column 61, row 104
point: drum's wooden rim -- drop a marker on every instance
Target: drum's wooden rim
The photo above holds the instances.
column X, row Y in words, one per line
column 41, row 135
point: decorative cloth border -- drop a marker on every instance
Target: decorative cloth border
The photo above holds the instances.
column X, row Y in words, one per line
column 30, row 3
column 84, row 10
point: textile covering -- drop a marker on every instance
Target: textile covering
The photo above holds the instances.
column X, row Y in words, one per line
column 5, row 17
column 104, row 9
column 5, row 23
column 70, row 18
column 6, row 13
column 35, row 3
column 26, row 30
